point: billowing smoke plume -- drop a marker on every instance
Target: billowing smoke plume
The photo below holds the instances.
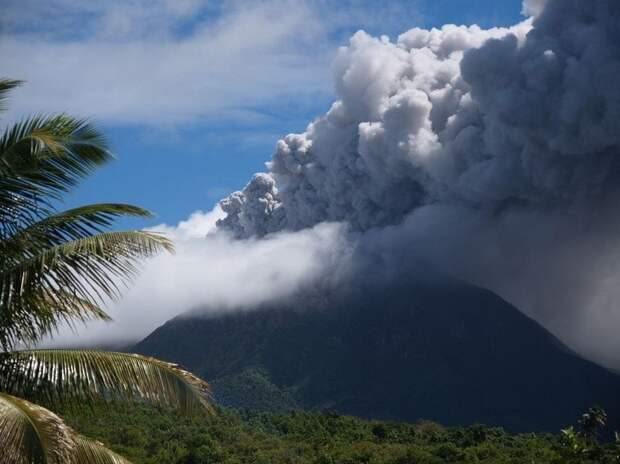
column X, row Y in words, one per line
column 495, row 154
column 400, row 136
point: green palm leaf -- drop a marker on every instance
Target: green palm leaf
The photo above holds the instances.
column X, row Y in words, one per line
column 30, row 434
column 72, row 224
column 92, row 452
column 72, row 276
column 59, row 268
column 41, row 313
column 61, row 376
column 53, row 152
column 41, row 158
column 6, row 85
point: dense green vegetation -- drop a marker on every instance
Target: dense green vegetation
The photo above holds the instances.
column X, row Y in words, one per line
column 148, row 435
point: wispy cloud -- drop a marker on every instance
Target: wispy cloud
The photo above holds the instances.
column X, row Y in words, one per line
column 214, row 273
column 118, row 20
column 166, row 62
column 125, row 74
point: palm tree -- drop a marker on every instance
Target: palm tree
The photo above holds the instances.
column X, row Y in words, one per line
column 58, row 268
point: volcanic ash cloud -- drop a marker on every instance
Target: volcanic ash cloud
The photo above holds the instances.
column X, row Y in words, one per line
column 492, row 153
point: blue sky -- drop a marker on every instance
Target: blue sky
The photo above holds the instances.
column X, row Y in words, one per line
column 193, row 95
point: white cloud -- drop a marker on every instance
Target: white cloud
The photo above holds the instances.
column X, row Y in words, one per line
column 215, row 273
column 110, row 19
column 168, row 62
column 533, row 7
column 132, row 69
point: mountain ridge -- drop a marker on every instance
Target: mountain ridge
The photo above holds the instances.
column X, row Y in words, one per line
column 449, row 352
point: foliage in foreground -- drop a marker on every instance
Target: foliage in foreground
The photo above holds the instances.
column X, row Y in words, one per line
column 58, row 268
column 148, row 436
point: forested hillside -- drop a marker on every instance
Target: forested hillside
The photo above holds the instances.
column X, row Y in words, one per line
column 441, row 350
column 150, row 436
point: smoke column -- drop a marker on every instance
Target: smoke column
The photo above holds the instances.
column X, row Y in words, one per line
column 493, row 154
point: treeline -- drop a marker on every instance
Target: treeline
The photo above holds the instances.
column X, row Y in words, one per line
column 147, row 435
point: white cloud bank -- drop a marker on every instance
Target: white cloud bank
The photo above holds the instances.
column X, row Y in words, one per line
column 214, row 273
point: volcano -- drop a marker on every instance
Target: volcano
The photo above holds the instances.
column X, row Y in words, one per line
column 442, row 351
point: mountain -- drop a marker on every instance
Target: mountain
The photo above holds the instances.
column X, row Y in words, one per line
column 448, row 352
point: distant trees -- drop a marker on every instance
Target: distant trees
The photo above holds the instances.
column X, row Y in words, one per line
column 59, row 267
column 248, row 437
column 582, row 445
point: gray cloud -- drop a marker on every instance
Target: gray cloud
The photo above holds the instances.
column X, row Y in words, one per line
column 388, row 145
column 492, row 153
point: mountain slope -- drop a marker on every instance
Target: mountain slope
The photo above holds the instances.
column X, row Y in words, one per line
column 448, row 352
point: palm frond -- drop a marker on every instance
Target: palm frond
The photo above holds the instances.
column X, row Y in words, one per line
column 30, row 317
column 92, row 452
column 56, row 150
column 6, row 85
column 41, row 158
column 93, row 266
column 67, row 376
column 30, row 434
column 67, row 225
column 69, row 281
